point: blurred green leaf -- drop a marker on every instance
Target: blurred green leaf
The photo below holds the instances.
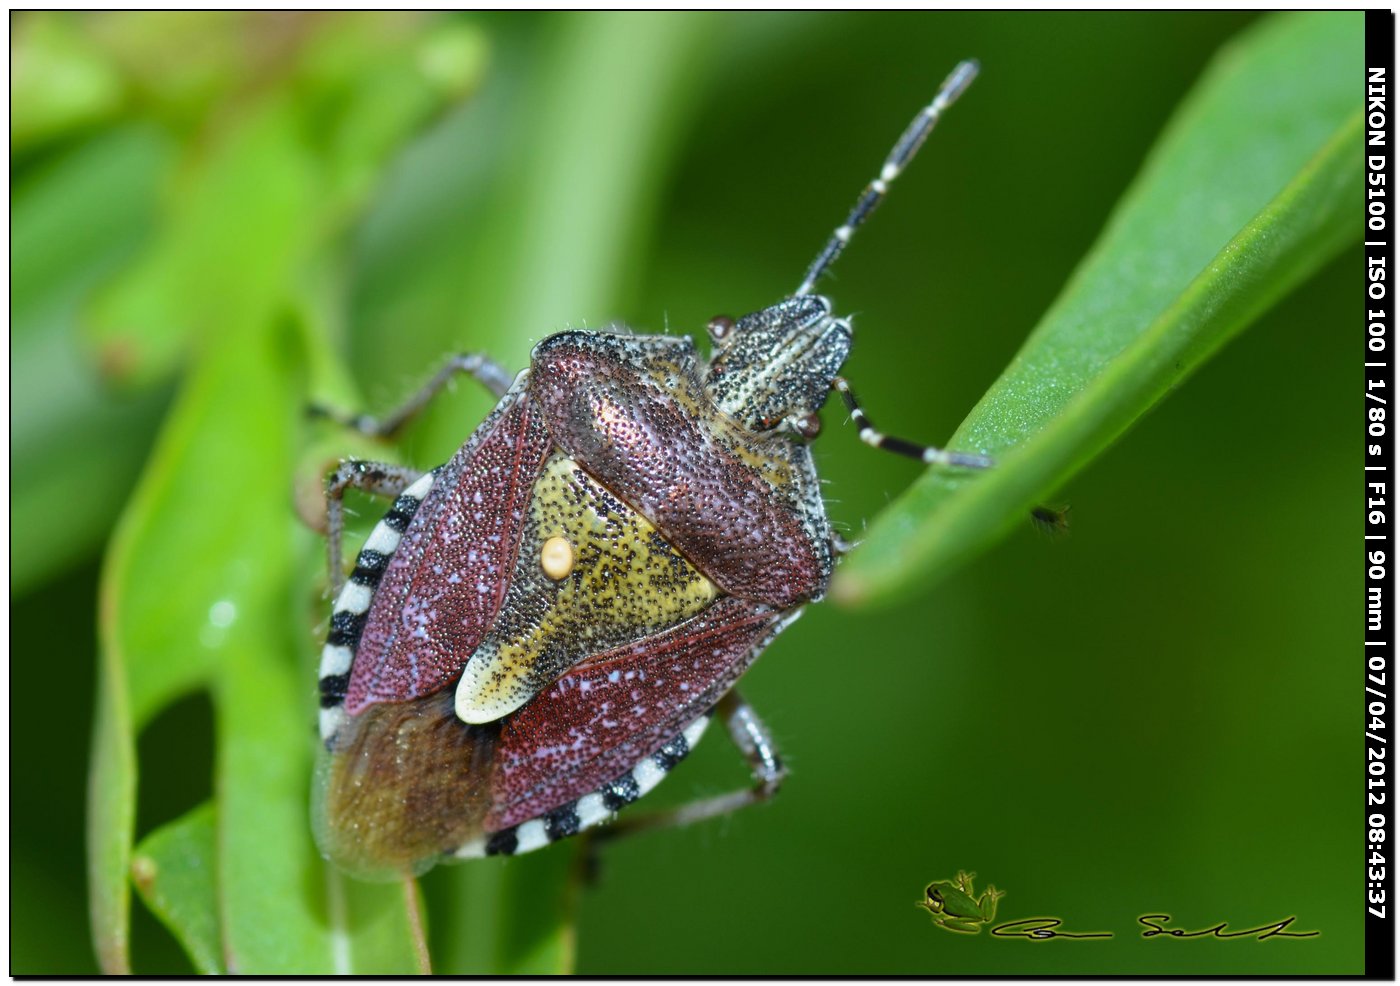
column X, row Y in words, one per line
column 214, row 507
column 174, row 871
column 72, row 221
column 236, row 228
column 1250, row 190
column 510, row 917
column 233, row 231
column 207, row 508
column 375, row 79
column 60, row 79
column 77, row 216
column 284, row 909
column 111, row 819
column 183, row 64
column 492, row 238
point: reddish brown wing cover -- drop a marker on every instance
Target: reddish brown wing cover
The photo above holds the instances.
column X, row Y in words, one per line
column 445, row 582
column 619, row 406
column 607, row 713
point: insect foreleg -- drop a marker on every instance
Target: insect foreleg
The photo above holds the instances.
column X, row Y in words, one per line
column 486, row 371
column 1048, row 518
column 924, row 453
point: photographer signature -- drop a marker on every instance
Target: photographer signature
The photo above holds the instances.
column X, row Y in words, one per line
column 1043, row 929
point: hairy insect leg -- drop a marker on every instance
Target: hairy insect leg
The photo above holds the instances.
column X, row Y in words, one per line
column 378, row 478
column 486, row 371
column 754, row 741
column 1050, row 519
column 924, row 453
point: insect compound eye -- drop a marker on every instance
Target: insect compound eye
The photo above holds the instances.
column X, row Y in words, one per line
column 721, row 327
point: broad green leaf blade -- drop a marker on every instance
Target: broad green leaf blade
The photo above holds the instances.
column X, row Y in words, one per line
column 174, row 871
column 198, row 578
column 1253, row 186
column 201, row 511
column 228, row 529
column 213, row 507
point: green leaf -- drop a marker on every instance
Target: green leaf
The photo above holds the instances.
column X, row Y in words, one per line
column 174, row 871
column 377, row 78
column 111, row 819
column 73, row 221
column 366, row 90
column 235, row 229
column 200, row 511
column 228, row 530
column 1252, row 187
column 510, row 917
column 199, row 576
column 60, row 79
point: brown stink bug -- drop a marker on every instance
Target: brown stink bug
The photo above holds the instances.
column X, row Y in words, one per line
column 541, row 628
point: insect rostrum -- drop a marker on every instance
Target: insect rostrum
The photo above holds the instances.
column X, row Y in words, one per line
column 541, row 628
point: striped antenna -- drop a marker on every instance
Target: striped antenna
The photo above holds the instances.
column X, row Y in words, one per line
column 904, row 150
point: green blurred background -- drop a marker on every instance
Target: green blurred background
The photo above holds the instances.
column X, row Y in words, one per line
column 1153, row 714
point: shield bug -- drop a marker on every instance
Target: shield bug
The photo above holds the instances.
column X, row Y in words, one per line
column 541, row 628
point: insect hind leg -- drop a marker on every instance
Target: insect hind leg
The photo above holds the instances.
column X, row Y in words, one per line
column 754, row 741
column 486, row 371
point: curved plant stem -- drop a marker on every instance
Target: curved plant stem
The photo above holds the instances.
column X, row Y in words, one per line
column 413, row 906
